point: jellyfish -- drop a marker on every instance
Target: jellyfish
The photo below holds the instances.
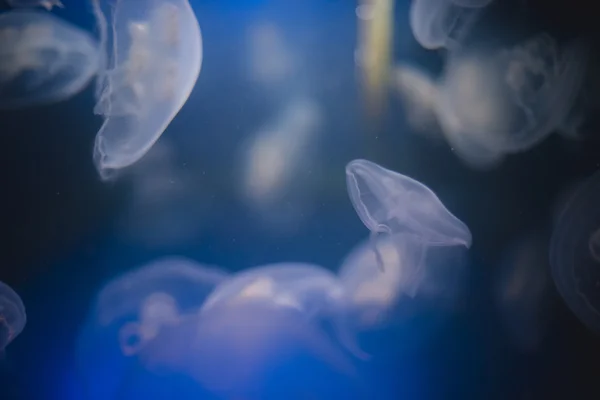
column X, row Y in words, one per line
column 421, row 285
column 309, row 290
column 443, row 23
column 573, row 254
column 152, row 54
column 12, row 315
column 496, row 102
column 47, row 4
column 43, row 59
column 391, row 203
column 131, row 310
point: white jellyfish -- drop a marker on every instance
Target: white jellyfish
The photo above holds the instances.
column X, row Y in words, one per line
column 12, row 315
column 493, row 103
column 308, row 289
column 152, row 58
column 443, row 23
column 389, row 202
column 43, row 59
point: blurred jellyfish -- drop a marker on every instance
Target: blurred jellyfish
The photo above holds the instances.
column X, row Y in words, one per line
column 418, row 93
column 494, row 103
column 43, row 59
column 573, row 256
column 388, row 202
column 270, row 58
column 131, row 310
column 260, row 349
column 12, row 315
column 153, row 54
column 273, row 161
column 443, row 23
column 47, row 4
column 522, row 289
column 308, row 289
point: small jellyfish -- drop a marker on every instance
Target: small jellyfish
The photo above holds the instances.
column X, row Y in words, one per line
column 47, row 4
column 152, row 54
column 308, row 289
column 491, row 103
column 43, row 59
column 12, row 315
column 573, row 253
column 443, row 23
column 388, row 202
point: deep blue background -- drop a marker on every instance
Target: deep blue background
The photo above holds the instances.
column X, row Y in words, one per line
column 62, row 240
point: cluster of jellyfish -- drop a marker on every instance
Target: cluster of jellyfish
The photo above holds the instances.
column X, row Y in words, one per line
column 145, row 62
column 491, row 100
column 236, row 334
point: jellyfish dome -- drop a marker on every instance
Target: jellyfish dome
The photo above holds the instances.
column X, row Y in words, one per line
column 392, row 203
column 152, row 53
column 43, row 59
column 12, row 315
column 443, row 23
column 491, row 103
column 574, row 255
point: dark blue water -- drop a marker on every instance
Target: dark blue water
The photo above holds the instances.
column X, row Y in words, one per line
column 68, row 234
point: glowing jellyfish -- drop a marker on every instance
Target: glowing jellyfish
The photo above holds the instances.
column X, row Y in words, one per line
column 308, row 289
column 43, row 59
column 575, row 267
column 153, row 55
column 388, row 202
column 130, row 312
column 47, row 4
column 12, row 315
column 443, row 23
column 494, row 103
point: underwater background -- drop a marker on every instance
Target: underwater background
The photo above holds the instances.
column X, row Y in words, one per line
column 68, row 233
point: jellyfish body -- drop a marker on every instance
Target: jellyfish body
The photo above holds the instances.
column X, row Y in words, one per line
column 507, row 101
column 47, row 4
column 12, row 315
column 130, row 312
column 443, row 23
column 309, row 290
column 152, row 57
column 43, row 59
column 573, row 256
column 389, row 202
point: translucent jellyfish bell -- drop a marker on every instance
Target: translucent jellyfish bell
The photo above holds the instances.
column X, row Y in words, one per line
column 308, row 289
column 43, row 59
column 443, row 23
column 47, row 4
column 153, row 55
column 491, row 103
column 573, row 253
column 389, row 202
column 12, row 315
